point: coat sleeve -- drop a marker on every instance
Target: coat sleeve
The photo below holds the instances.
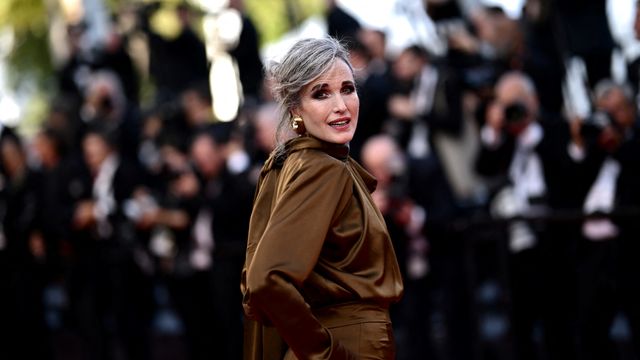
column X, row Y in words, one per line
column 310, row 197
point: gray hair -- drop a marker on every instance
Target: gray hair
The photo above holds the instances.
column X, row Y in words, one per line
column 304, row 62
column 524, row 81
column 525, row 90
column 605, row 86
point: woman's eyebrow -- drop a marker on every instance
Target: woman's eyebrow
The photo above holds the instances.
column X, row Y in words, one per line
column 324, row 85
column 319, row 86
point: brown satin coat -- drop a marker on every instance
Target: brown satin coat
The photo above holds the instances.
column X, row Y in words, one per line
column 315, row 239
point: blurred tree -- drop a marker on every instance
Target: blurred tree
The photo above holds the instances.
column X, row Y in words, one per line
column 29, row 20
column 30, row 58
column 273, row 18
column 31, row 62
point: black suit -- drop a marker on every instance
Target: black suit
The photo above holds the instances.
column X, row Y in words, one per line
column 23, row 333
column 628, row 271
column 208, row 299
column 232, row 209
column 543, row 279
column 609, row 268
column 445, row 115
column 109, row 293
column 341, row 25
column 373, row 92
column 247, row 56
column 583, row 29
column 171, row 68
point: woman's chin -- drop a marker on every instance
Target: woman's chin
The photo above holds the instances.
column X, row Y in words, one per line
column 342, row 139
column 336, row 137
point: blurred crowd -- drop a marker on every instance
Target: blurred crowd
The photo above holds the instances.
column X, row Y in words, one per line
column 513, row 209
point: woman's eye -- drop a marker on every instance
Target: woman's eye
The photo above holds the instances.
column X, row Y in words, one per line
column 348, row 89
column 320, row 95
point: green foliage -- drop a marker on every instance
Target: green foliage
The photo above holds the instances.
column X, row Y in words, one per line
column 30, row 58
column 30, row 61
column 33, row 113
column 24, row 15
column 273, row 18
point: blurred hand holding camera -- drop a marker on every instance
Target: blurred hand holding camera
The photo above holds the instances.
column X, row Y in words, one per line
column 401, row 107
column 83, row 216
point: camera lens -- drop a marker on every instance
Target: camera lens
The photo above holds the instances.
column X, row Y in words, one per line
column 592, row 127
column 515, row 112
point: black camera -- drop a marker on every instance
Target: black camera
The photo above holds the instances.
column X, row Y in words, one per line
column 515, row 112
column 593, row 126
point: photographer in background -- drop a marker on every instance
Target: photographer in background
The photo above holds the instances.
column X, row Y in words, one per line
column 23, row 332
column 417, row 203
column 526, row 160
column 424, row 102
column 487, row 45
column 607, row 142
column 105, row 105
column 108, row 281
column 219, row 230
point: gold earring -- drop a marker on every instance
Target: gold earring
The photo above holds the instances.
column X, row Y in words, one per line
column 297, row 125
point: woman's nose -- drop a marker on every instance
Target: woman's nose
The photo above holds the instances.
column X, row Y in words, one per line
column 339, row 105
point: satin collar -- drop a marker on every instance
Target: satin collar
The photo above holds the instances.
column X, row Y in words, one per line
column 338, row 151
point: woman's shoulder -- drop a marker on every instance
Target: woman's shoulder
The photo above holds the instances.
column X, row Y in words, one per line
column 312, row 162
column 310, row 171
column 315, row 154
column 309, row 159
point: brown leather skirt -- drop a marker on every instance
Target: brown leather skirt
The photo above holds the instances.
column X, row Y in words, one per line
column 363, row 328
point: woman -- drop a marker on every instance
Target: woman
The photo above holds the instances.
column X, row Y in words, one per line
column 320, row 271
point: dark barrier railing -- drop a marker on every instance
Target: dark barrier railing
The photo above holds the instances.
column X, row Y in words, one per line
column 475, row 270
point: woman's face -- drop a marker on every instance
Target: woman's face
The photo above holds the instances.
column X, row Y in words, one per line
column 329, row 105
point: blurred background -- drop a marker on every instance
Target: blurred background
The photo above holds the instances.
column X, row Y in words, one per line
column 503, row 134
